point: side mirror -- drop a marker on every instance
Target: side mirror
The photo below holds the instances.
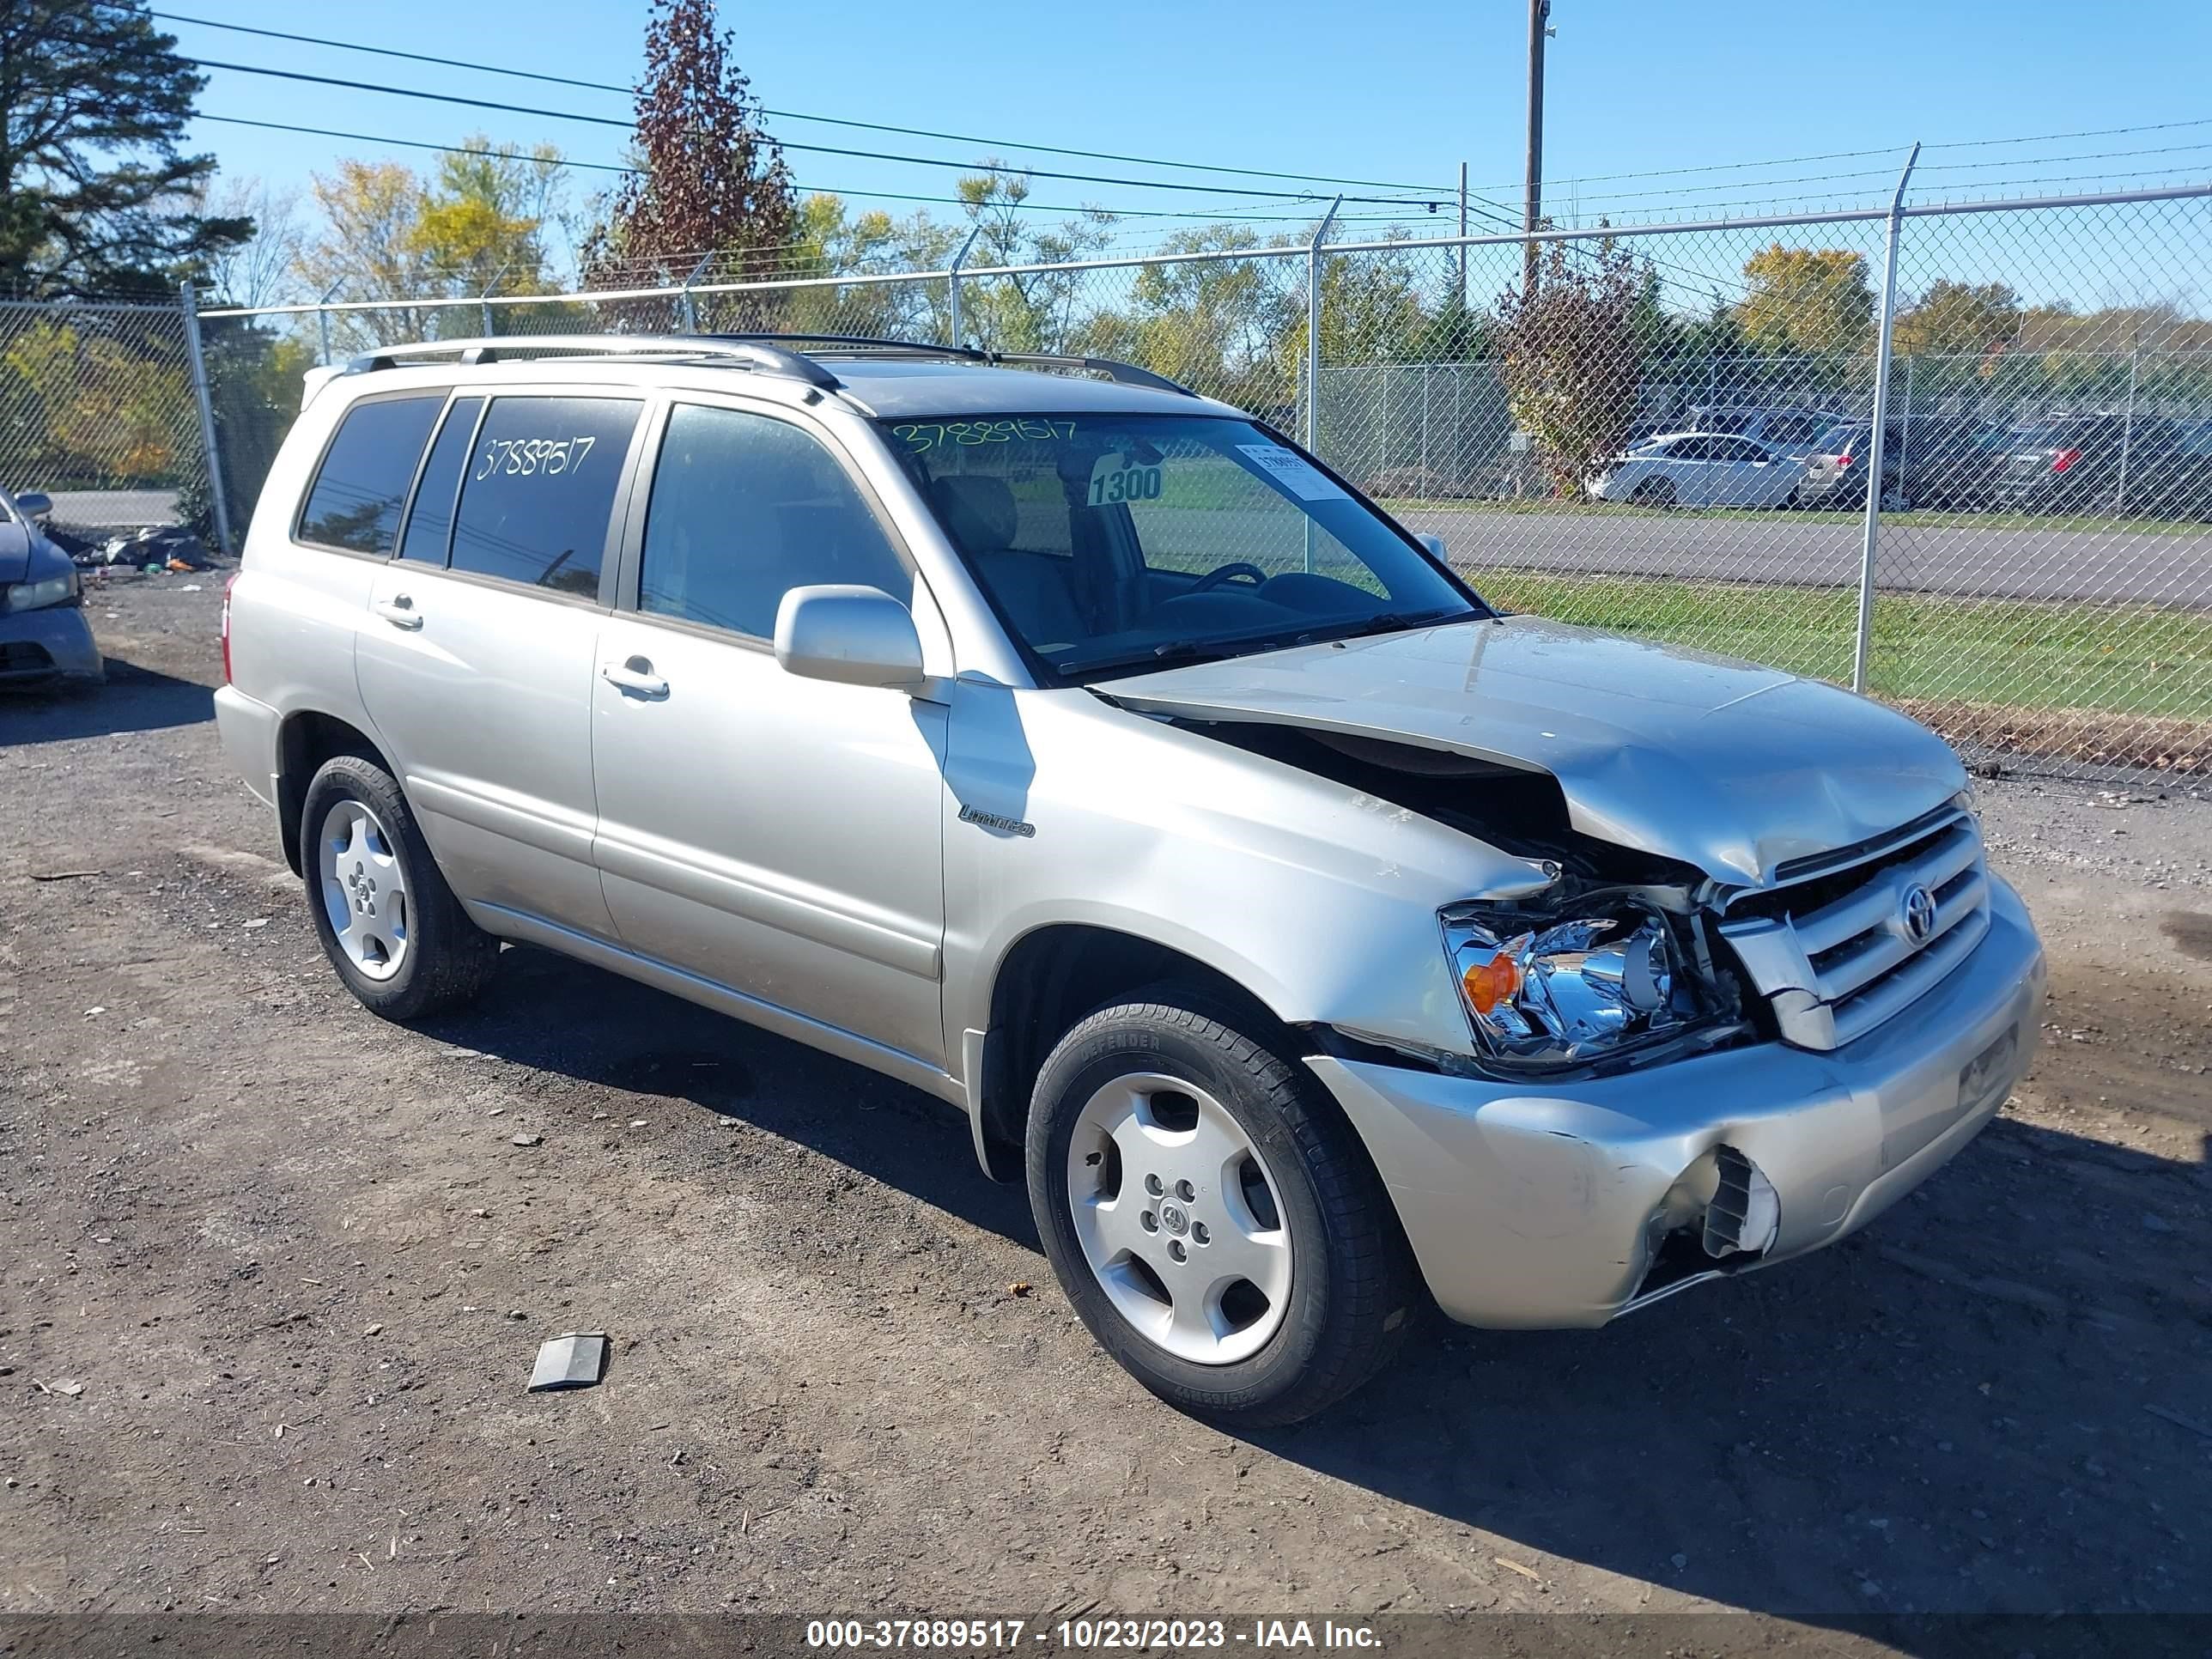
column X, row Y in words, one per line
column 35, row 503
column 1436, row 545
column 855, row 636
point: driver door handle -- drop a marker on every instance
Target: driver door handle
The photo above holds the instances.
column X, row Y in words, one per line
column 398, row 610
column 635, row 677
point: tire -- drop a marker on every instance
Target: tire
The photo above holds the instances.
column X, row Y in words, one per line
column 1653, row 492
column 1344, row 1283
column 408, row 948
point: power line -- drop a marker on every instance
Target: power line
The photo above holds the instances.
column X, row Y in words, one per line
column 2061, row 137
column 816, row 149
column 871, row 194
column 801, row 115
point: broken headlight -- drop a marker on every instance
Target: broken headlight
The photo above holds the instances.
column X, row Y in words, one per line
column 1547, row 992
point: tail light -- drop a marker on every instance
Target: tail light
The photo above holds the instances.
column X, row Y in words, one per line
column 227, row 587
column 2064, row 458
column 1844, row 459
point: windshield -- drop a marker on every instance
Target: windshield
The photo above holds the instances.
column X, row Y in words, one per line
column 1120, row 543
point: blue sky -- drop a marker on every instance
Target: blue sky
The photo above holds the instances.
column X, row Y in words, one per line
column 1401, row 93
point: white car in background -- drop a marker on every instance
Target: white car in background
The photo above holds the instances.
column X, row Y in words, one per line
column 1702, row 469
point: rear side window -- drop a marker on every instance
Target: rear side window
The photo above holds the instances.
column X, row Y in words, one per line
column 539, row 488
column 362, row 483
column 430, row 520
column 744, row 509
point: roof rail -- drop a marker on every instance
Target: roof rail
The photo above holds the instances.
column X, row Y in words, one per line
column 755, row 353
column 1113, row 369
column 774, row 353
column 873, row 345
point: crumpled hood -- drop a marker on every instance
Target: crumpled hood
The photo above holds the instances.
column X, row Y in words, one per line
column 1729, row 767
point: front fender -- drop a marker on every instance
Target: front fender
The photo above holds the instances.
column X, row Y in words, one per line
column 1319, row 900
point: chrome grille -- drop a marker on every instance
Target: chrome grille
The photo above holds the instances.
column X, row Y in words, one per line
column 1834, row 951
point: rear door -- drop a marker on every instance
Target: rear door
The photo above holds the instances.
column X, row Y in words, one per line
column 476, row 660
column 1688, row 467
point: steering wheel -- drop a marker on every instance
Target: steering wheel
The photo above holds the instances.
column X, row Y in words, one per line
column 1213, row 579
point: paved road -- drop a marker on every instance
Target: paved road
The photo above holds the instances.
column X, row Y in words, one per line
column 115, row 510
column 2009, row 562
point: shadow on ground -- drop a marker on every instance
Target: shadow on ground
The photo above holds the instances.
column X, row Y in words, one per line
column 2002, row 1378
column 134, row 700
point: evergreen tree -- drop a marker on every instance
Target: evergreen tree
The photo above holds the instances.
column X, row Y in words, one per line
column 94, row 196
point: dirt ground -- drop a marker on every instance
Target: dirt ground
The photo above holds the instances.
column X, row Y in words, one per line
column 272, row 1274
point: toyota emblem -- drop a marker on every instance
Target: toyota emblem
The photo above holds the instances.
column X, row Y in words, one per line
column 1917, row 909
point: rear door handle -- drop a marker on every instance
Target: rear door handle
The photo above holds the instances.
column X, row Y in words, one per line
column 398, row 610
column 635, row 677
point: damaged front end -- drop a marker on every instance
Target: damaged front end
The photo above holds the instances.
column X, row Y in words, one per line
column 1611, row 963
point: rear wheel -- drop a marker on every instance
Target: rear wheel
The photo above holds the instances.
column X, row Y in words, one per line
column 388, row 922
column 1212, row 1216
column 1654, row 492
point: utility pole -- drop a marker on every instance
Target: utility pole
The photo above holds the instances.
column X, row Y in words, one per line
column 1532, row 212
column 1462, row 231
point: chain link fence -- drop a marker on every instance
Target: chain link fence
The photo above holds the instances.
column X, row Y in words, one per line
column 98, row 409
column 1664, row 429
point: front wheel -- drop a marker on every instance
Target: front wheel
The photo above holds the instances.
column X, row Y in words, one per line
column 1212, row 1216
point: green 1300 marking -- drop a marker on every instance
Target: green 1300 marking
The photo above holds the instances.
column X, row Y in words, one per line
column 931, row 434
column 1135, row 484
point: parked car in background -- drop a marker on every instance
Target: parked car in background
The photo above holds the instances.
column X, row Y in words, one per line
column 1799, row 430
column 1949, row 463
column 1702, row 469
column 43, row 634
column 2145, row 467
column 1836, row 475
column 1952, row 463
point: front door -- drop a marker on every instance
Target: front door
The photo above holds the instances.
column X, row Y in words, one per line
column 778, row 837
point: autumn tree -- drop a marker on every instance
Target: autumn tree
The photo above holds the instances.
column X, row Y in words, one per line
column 1214, row 324
column 96, row 196
column 1028, row 309
column 1958, row 319
column 710, row 180
column 1572, row 357
column 1806, row 300
column 476, row 227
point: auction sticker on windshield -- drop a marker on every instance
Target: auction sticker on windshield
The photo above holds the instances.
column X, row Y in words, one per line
column 1117, row 477
column 1293, row 472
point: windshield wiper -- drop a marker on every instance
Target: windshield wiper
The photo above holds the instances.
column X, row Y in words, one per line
column 1393, row 621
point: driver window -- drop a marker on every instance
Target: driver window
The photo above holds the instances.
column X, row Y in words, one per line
column 744, row 509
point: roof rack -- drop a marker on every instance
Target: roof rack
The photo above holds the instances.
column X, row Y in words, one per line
column 873, row 345
column 756, row 354
column 773, row 354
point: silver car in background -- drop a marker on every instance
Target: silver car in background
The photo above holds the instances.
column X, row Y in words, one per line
column 1702, row 469
column 1315, row 942
column 45, row 636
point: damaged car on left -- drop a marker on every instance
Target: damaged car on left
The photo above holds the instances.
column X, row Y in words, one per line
column 44, row 635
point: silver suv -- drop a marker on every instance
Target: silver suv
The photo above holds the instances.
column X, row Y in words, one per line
column 1315, row 940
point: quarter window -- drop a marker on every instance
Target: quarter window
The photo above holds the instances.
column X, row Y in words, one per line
column 745, row 509
column 362, row 482
column 538, row 489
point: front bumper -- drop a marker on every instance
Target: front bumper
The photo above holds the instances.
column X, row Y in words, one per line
column 54, row 642
column 1533, row 1207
